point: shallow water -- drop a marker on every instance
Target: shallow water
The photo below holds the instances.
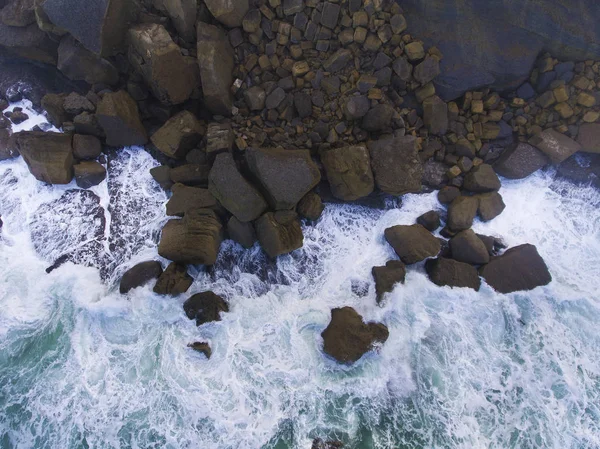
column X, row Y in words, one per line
column 83, row 367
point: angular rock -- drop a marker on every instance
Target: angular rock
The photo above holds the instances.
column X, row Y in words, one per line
column 387, row 277
column 434, row 173
column 279, row 233
column 462, row 212
column 28, row 42
column 175, row 280
column 195, row 239
column 80, row 64
column 190, row 174
column 139, row 275
column 8, row 149
column 89, row 174
column 482, row 178
column 520, row 160
column 348, row 172
column 452, row 273
column 555, row 145
column 86, row 147
column 378, row 118
column 589, row 137
column 303, row 104
column 86, row 123
column 338, row 60
column 310, row 206
column 219, row 139
column 427, row 70
column 468, row 248
column 396, row 165
column 75, row 104
column 347, row 338
column 490, row 205
column 233, row 191
column 49, row 156
column 519, row 268
column 55, row 111
column 118, row 115
column 242, row 233
column 186, row 198
column 18, row 13
column 275, row 98
column 205, row 307
column 255, row 98
column 178, row 135
column 435, row 115
column 183, row 16
column 162, row 175
column 412, row 243
column 229, row 12
column 429, row 220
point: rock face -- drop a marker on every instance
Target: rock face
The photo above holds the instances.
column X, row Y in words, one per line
column 462, row 212
column 78, row 63
column 195, row 239
column 589, row 137
column 412, row 243
column 279, row 233
column 388, row 276
column 186, row 198
column 285, row 175
column 139, row 275
column 396, row 165
column 233, row 191
column 467, row 247
column 442, row 272
column 89, row 174
column 229, row 12
column 178, row 135
column 347, row 338
column 520, row 160
column 158, row 59
column 100, row 25
column 175, row 280
column 215, row 58
column 555, row 145
column 49, row 156
column 519, row 268
column 349, row 172
column 119, row 117
column 205, row 307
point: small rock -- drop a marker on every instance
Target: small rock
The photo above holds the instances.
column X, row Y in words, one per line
column 427, row 70
column 219, row 139
column 202, row 347
column 356, row 107
column 415, row 51
column 255, row 98
column 275, row 98
column 205, row 307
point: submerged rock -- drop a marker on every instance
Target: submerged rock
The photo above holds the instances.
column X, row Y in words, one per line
column 279, row 233
column 452, row 273
column 412, row 243
column 388, row 276
column 347, row 338
column 175, row 280
column 205, row 307
column 139, row 275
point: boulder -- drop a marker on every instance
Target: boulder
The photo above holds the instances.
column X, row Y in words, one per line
column 175, row 280
column 53, row 104
column 29, row 42
column 100, row 25
column 139, row 275
column 162, row 175
column 183, row 16
column 356, row 107
column 219, row 139
column 396, row 164
column 118, row 115
column 154, row 55
column 310, row 206
column 284, row 175
column 589, row 137
column 519, row 161
column 448, row 194
column 482, row 178
column 215, row 58
column 205, row 307
column 233, row 191
column 195, row 239
column 581, row 168
column 427, row 70
column 387, row 277
column 555, row 145
column 347, row 338
column 242, row 233
column 86, row 147
column 255, row 98
column 462, row 212
column 429, row 220
column 202, row 347
column 80, row 64
column 89, row 174
column 467, row 247
column 229, row 12
column 186, row 198
column 178, row 135
column 349, row 172
column 279, row 233
column 86, row 123
column 519, row 268
column 434, row 173
column 490, row 205
column 442, row 272
column 435, row 115
column 412, row 243
column 190, row 174
column 75, row 104
column 378, row 118
column 49, row 156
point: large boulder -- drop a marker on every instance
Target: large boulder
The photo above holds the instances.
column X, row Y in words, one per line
column 388, row 276
column 396, row 164
column 78, row 63
column 49, row 156
column 490, row 205
column 158, row 59
column 347, row 338
column 462, row 212
column 175, row 280
column 467, row 247
column 412, row 243
column 555, row 145
column 285, row 175
column 482, row 178
column 279, row 232
column 100, row 25
column 195, row 239
column 183, row 16
column 86, row 147
column 233, row 191
column 89, row 174
column 118, row 115
column 215, row 58
column 589, row 137
column 442, row 272
column 178, row 135
column 349, row 172
column 186, row 198
column 139, row 275
column 519, row 268
column 520, row 160
column 205, row 307
column 28, row 42
column 229, row 12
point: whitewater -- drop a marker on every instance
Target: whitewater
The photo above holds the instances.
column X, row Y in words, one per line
column 82, row 366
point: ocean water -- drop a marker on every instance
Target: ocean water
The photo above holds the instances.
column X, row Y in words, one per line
column 82, row 366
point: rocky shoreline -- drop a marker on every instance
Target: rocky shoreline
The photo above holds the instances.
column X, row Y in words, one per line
column 261, row 111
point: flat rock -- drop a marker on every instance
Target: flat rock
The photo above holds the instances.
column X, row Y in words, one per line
column 412, row 243
column 139, row 275
column 388, row 276
column 186, row 198
column 175, row 280
column 178, row 135
column 452, row 273
column 555, row 145
column 482, row 178
column 520, row 160
column 205, row 307
column 349, row 172
column 467, row 247
column 49, row 156
column 118, row 115
column 279, row 233
column 462, row 212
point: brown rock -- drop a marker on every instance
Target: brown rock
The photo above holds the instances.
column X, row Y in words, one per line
column 89, row 174
column 279, row 233
column 118, row 115
column 396, row 165
column 86, row 147
column 186, row 198
column 310, row 206
column 412, row 243
column 205, row 307
column 452, row 273
column 589, row 137
column 555, row 145
column 139, row 275
column 429, row 220
column 242, row 233
column 467, row 247
column 482, row 178
column 490, row 205
column 348, row 172
column 461, row 213
column 49, row 156
column 387, row 277
column 78, row 63
column 178, row 135
column 175, row 280
column 229, row 12
column 519, row 161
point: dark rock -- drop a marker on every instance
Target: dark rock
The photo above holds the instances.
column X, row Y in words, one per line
column 581, row 168
column 310, row 207
column 139, row 275
column 519, row 161
column 49, row 156
column 178, row 135
column 434, row 174
column 86, row 147
column 255, row 98
column 378, row 118
column 89, row 174
column 183, row 15
column 490, row 205
column 242, row 233
column 427, row 70
column 526, row 91
column 467, row 247
column 448, row 194
column 442, row 272
column 396, row 165
column 519, row 268
column 18, row 13
column 387, row 277
column 75, row 104
column 435, row 115
column 412, row 243
column 162, row 175
column 202, row 347
column 219, row 139
column 555, row 145
column 119, row 117
column 186, row 198
column 86, row 123
column 205, row 307
column 356, row 107
column 589, row 137
column 233, row 191
column 275, row 98
column 190, row 174
column 229, row 12
column 462, row 212
column 303, row 104
column 338, row 60
column 318, row 443
column 279, row 233
column 403, row 68
column 195, row 239
column 28, row 42
column 8, row 148
column 18, row 117
column 78, row 63
column 347, row 338
column 175, row 280
column 429, row 220
column 53, row 105
column 291, row 7
column 482, row 178
column 348, row 172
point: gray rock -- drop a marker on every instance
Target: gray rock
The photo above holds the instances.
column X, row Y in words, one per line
column 86, row 147
column 255, row 98
column 78, row 63
column 330, row 14
column 28, row 42
column 242, row 233
column 519, row 161
column 291, row 7
column 275, row 98
column 427, row 70
column 589, row 137
column 348, row 172
column 338, row 60
column 435, row 115
column 434, row 174
column 356, row 107
column 183, row 15
column 378, row 118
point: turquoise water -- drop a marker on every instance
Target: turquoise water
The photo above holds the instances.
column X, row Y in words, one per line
column 84, row 367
